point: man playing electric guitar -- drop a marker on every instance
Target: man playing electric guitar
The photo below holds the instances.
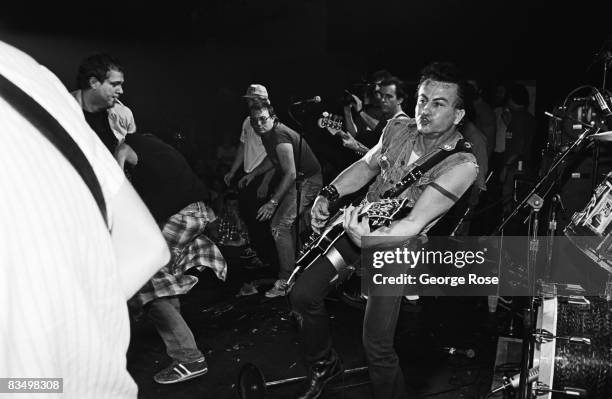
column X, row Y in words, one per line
column 438, row 112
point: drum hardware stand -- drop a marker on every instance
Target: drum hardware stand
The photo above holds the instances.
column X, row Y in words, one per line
column 542, row 389
column 556, row 205
column 299, row 178
column 543, row 335
column 252, row 384
column 533, row 200
column 587, row 132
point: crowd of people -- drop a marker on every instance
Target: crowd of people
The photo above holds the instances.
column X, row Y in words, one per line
column 161, row 220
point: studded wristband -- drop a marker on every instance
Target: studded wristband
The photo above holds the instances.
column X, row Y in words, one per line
column 330, row 192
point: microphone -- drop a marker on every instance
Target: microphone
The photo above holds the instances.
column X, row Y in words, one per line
column 469, row 353
column 314, row 100
column 603, row 105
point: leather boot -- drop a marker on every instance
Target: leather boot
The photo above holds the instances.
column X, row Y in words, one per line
column 320, row 374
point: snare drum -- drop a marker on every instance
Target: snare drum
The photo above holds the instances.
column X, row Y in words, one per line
column 574, row 347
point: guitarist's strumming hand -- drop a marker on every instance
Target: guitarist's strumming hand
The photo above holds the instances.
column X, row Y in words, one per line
column 319, row 213
column 354, row 228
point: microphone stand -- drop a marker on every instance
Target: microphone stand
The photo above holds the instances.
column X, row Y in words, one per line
column 536, row 202
column 299, row 178
column 551, row 169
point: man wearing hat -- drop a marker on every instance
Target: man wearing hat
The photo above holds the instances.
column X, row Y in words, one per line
column 251, row 153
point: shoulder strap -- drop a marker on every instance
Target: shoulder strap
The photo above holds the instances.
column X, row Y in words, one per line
column 420, row 169
column 56, row 134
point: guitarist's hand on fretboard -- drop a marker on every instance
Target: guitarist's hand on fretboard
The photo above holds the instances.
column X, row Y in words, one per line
column 349, row 142
column 355, row 226
column 334, row 125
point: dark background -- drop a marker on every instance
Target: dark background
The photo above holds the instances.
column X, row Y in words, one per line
column 187, row 63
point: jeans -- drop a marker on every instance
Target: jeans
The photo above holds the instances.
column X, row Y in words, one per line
column 165, row 313
column 381, row 314
column 283, row 220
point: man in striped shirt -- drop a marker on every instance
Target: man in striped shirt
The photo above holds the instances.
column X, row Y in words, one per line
column 64, row 279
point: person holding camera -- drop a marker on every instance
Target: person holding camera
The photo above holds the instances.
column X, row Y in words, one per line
column 385, row 103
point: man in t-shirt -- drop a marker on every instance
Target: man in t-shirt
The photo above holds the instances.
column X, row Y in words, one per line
column 100, row 82
column 293, row 159
column 250, row 154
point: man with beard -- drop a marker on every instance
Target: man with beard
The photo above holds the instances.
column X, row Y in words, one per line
column 439, row 110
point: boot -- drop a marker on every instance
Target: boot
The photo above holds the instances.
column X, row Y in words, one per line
column 320, row 374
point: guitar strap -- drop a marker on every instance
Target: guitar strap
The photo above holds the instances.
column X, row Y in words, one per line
column 437, row 156
column 49, row 127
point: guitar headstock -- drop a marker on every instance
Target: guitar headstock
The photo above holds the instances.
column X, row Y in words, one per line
column 333, row 123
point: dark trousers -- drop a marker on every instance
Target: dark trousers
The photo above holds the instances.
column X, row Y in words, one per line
column 259, row 232
column 307, row 300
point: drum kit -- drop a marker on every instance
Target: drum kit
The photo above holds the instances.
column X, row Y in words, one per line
column 572, row 354
column 567, row 347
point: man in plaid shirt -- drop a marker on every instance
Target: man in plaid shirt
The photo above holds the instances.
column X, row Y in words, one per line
column 174, row 194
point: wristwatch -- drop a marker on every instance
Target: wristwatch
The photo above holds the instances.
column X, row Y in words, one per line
column 273, row 201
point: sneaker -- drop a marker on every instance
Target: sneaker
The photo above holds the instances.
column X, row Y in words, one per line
column 279, row 289
column 178, row 372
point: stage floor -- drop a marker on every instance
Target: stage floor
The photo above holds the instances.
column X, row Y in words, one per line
column 233, row 331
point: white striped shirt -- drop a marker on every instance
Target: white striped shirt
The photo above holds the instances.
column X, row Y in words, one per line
column 62, row 310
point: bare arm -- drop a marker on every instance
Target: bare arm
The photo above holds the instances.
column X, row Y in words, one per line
column 140, row 248
column 350, row 180
column 370, row 121
column 124, row 153
column 358, row 174
column 263, row 167
column 349, row 122
column 287, row 164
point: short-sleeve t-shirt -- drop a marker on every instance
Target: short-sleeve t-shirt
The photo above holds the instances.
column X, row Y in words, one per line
column 309, row 165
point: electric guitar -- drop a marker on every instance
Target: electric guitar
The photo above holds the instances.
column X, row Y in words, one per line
column 380, row 213
column 334, row 125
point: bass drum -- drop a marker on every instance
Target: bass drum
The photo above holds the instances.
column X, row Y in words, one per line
column 580, row 357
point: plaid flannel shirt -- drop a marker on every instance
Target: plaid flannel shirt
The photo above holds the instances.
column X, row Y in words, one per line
column 184, row 233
